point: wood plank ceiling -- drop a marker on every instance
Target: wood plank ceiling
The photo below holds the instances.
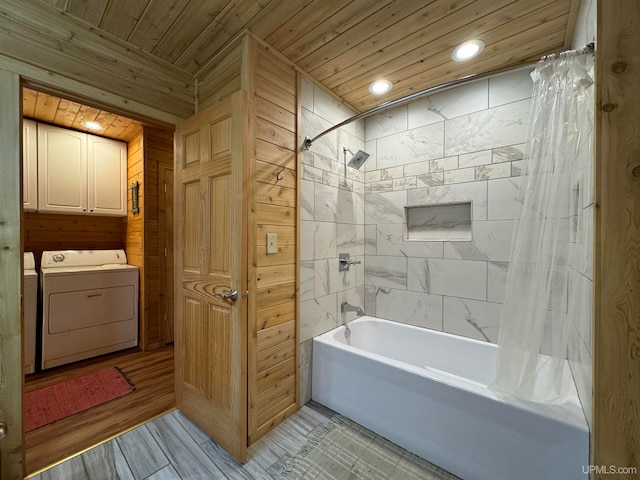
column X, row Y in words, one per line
column 46, row 108
column 343, row 44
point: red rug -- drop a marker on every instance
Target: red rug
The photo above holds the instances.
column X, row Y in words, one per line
column 49, row 404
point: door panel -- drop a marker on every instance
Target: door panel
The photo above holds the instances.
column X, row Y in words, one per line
column 211, row 332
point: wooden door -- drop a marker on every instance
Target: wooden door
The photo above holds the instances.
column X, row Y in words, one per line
column 210, row 242
column 166, row 248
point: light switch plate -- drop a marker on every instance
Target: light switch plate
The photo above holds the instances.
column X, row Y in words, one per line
column 272, row 243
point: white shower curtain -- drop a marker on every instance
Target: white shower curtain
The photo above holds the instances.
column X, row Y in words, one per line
column 534, row 317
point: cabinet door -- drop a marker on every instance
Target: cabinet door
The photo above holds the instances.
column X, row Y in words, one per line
column 29, row 165
column 62, row 170
column 107, row 176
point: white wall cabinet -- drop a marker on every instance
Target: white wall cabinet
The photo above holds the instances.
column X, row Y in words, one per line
column 29, row 165
column 80, row 173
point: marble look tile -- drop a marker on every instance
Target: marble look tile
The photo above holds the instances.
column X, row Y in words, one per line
column 324, row 240
column 413, row 308
column 462, row 175
column 442, row 164
column 349, row 207
column 391, row 173
column 389, row 242
column 516, row 168
column 307, row 280
column 307, row 231
column 312, row 125
column 330, row 108
column 307, row 200
column 496, row 127
column 350, row 238
column 475, row 192
column 326, row 203
column 424, row 143
column 508, row 154
column 430, row 180
column 306, row 352
column 579, row 311
column 386, row 271
column 417, row 168
column 404, row 183
column 510, row 87
column 462, row 100
column 306, row 93
column 327, row 277
column 153, row 460
column 496, row 281
column 455, row 278
column 318, row 316
column 371, row 147
column 490, row 172
column 491, row 242
column 380, row 187
column 503, row 201
column 386, row 123
column 370, row 292
column 581, row 363
column 370, row 240
column 474, row 159
column 471, row 318
column 311, row 173
column 385, row 207
column 373, row 176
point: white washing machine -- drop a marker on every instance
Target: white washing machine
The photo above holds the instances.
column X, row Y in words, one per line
column 30, row 309
column 89, row 304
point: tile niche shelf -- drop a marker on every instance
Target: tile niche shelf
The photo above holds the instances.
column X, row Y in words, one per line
column 440, row 222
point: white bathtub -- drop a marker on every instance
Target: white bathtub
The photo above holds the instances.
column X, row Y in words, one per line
column 427, row 392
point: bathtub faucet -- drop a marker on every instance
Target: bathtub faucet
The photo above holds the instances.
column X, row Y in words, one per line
column 347, row 307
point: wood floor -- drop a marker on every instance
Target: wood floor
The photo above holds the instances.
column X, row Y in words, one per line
column 152, row 374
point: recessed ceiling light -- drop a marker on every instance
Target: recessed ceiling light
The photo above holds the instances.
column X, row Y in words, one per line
column 380, row 86
column 467, row 50
column 92, row 125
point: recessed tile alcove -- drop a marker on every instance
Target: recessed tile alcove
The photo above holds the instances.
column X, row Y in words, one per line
column 450, row 222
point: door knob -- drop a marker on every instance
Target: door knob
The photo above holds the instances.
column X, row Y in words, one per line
column 230, row 295
column 3, row 429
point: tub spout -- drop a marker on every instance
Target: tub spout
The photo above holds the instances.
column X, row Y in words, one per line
column 347, row 307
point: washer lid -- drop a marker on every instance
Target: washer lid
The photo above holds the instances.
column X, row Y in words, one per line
column 82, row 258
column 29, row 261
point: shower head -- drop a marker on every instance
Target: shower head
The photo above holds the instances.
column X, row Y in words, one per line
column 358, row 158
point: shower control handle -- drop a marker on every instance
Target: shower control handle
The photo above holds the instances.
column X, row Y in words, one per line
column 344, row 260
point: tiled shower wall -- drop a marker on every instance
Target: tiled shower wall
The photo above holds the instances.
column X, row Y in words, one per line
column 462, row 145
column 581, row 270
column 465, row 144
column 332, row 222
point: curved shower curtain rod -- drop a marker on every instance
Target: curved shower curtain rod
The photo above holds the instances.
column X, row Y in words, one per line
column 307, row 142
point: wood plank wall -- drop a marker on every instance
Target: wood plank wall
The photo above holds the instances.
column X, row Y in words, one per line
column 616, row 328
column 48, row 231
column 273, row 345
column 134, row 226
column 222, row 80
column 158, row 156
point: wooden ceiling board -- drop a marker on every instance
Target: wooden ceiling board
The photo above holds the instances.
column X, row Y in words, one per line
column 224, row 28
column 90, row 11
column 155, row 22
column 434, row 50
column 343, row 44
column 47, row 108
column 121, row 16
column 311, row 49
